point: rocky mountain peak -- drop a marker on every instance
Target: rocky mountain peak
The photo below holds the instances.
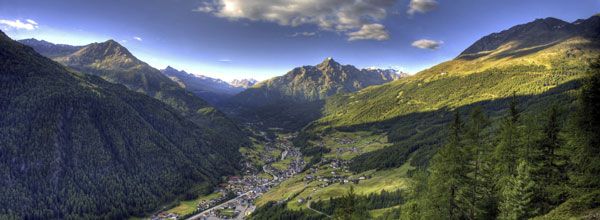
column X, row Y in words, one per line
column 109, row 54
column 329, row 62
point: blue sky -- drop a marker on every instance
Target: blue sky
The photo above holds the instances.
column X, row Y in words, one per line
column 232, row 39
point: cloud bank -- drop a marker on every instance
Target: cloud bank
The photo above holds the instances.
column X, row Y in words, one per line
column 427, row 44
column 358, row 19
column 20, row 25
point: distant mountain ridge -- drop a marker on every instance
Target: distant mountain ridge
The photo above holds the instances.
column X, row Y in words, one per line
column 298, row 95
column 243, row 83
column 311, row 83
column 50, row 49
column 210, row 89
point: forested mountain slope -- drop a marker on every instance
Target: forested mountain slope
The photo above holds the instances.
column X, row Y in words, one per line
column 296, row 98
column 465, row 80
column 114, row 63
column 507, row 130
column 414, row 111
column 73, row 146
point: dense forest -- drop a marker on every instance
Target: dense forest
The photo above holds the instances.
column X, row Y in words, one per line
column 526, row 168
column 115, row 63
column 73, row 146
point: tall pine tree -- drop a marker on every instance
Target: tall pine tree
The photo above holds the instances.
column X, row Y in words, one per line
column 509, row 144
column 546, row 163
column 585, row 138
column 449, row 177
column 518, row 195
column 480, row 197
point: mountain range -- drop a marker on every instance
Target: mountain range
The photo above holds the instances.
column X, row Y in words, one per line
column 296, row 98
column 114, row 63
column 116, row 57
column 74, row 146
column 243, row 83
column 537, row 70
column 210, row 89
column 50, row 49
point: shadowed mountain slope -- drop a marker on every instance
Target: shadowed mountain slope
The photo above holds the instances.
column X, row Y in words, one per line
column 114, row 63
column 73, row 146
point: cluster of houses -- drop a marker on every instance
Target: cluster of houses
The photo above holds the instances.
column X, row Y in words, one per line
column 204, row 205
column 336, row 176
column 249, row 183
column 250, row 186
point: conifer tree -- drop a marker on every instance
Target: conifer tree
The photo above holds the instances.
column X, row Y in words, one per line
column 449, row 176
column 479, row 197
column 585, row 138
column 545, row 163
column 509, row 144
column 518, row 195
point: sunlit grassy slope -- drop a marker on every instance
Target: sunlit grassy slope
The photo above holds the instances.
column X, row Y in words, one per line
column 463, row 81
column 541, row 66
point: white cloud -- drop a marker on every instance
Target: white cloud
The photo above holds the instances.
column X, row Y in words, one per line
column 31, row 22
column 369, row 32
column 225, row 60
column 333, row 15
column 137, row 38
column 421, row 6
column 205, row 7
column 427, row 44
column 304, row 34
column 18, row 24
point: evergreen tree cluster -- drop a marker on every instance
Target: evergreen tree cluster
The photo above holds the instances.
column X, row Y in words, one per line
column 524, row 168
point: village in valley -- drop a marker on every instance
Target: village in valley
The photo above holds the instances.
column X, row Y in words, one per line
column 276, row 161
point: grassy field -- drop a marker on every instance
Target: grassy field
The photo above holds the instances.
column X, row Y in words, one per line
column 388, row 180
column 364, row 141
column 189, row 206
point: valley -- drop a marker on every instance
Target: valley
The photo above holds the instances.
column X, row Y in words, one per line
column 282, row 176
column 279, row 161
column 506, row 129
